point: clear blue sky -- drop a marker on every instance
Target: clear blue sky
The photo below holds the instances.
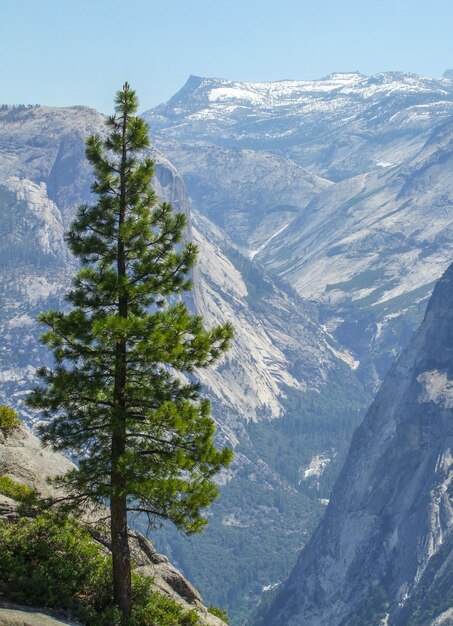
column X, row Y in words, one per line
column 64, row 52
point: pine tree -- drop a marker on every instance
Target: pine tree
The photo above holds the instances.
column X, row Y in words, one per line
column 116, row 396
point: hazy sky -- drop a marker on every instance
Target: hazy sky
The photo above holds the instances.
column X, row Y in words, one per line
column 64, row 52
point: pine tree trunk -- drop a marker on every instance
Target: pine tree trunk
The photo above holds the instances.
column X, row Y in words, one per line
column 122, row 587
column 121, row 560
column 121, row 557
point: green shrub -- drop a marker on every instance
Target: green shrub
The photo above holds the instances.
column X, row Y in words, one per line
column 223, row 615
column 8, row 419
column 13, row 490
column 150, row 608
column 154, row 608
column 30, row 503
column 51, row 562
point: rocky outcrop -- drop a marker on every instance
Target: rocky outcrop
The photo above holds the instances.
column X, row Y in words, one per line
column 388, row 529
column 13, row 615
column 23, row 459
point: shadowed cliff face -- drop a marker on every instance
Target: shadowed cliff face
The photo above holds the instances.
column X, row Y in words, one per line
column 388, row 527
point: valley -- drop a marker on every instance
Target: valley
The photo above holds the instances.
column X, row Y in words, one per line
column 323, row 213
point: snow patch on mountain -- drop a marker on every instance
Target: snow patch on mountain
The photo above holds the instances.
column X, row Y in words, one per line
column 346, row 356
column 252, row 253
column 226, row 93
column 20, row 321
column 40, row 288
column 18, row 374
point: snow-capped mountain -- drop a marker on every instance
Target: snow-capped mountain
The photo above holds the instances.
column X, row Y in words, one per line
column 338, row 126
column 383, row 551
column 372, row 234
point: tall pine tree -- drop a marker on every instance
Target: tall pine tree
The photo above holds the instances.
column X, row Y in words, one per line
column 116, row 396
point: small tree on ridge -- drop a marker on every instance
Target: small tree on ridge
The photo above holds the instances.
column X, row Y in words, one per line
column 144, row 436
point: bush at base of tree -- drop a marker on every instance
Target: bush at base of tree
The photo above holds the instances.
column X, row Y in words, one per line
column 51, row 562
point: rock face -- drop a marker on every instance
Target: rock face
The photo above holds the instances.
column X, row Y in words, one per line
column 12, row 615
column 23, row 459
column 388, row 529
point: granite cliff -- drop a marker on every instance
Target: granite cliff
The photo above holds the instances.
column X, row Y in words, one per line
column 383, row 553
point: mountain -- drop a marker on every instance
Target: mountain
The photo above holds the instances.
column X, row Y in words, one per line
column 337, row 126
column 286, row 396
column 373, row 245
column 251, row 195
column 383, row 551
column 41, row 147
column 373, row 237
column 370, row 235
